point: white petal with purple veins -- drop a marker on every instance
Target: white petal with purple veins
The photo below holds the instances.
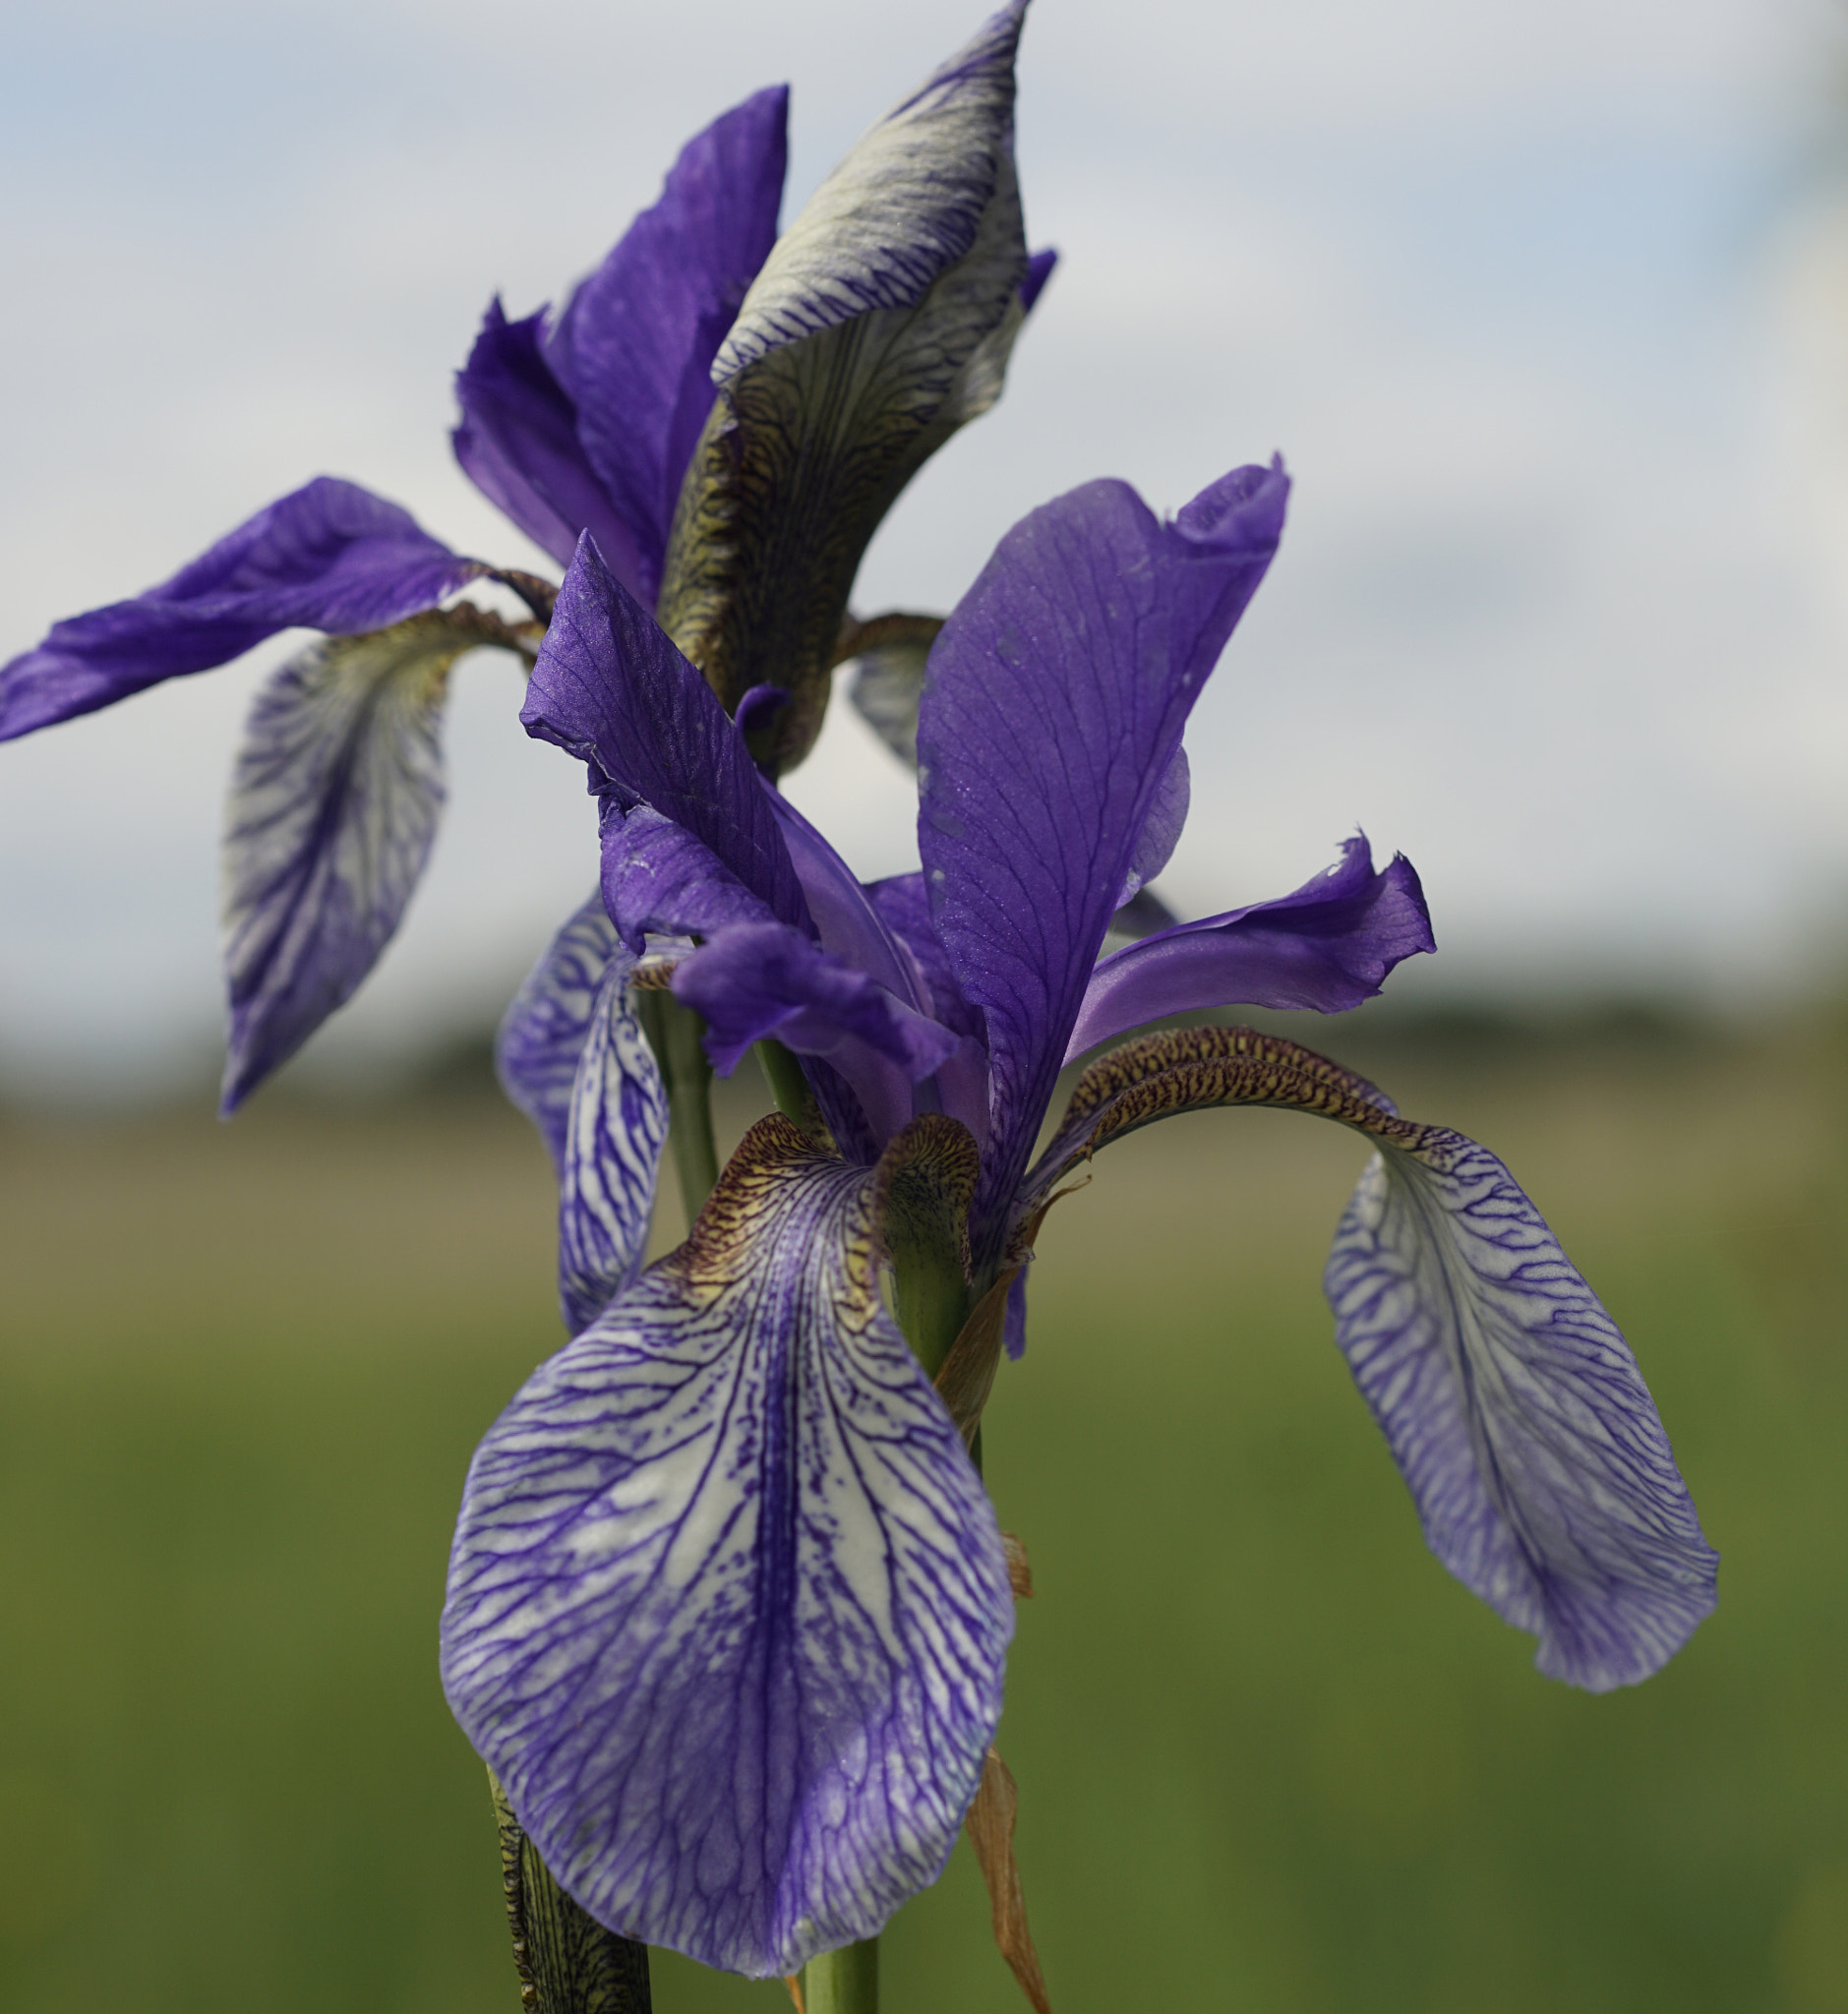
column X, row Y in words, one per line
column 616, row 1129
column 727, row 1604
column 1532, row 1448
column 333, row 809
column 1513, row 1404
column 542, row 1034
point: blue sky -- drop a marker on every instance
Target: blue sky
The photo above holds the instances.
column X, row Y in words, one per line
column 1538, row 303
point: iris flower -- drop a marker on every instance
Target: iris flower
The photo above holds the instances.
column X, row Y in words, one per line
column 727, row 1606
column 727, row 413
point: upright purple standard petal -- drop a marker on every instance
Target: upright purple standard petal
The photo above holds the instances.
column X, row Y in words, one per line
column 1052, row 714
column 330, row 556
column 727, row 1605
column 586, row 423
column 634, row 346
column 1329, row 946
column 334, row 806
column 611, row 689
column 518, row 444
column 904, row 905
column 1530, row 1444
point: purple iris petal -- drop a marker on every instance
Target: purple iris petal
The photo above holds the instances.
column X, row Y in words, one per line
column 904, row 905
column 616, row 1129
column 1513, row 1404
column 762, row 979
column 727, row 1606
column 333, row 806
column 542, row 1034
column 1039, row 270
column 1054, row 705
column 572, row 1057
column 1142, row 916
column 588, row 425
column 611, row 689
column 1161, row 830
column 330, row 556
column 850, row 925
column 659, row 880
column 634, row 346
column 1329, row 946
column 518, row 445
column 1015, row 1332
column 962, row 1079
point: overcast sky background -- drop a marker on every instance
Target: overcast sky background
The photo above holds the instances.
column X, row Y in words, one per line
column 1547, row 307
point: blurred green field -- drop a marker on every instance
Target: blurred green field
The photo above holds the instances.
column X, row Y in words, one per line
column 1271, row 1756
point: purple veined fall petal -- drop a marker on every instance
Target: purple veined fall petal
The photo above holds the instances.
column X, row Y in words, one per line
column 1328, row 947
column 1513, row 1404
column 727, row 1606
column 1054, row 706
column 1516, row 1412
column 541, row 1037
column 757, row 981
column 329, row 556
column 615, row 1127
column 334, row 806
column 633, row 348
column 611, row 689
column 518, row 445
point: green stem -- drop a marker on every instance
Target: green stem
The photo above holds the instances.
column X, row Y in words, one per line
column 783, row 1075
column 843, row 1981
column 675, row 1034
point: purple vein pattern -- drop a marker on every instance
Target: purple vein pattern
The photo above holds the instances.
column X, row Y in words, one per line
column 1518, row 1414
column 618, row 1127
column 572, row 1055
column 541, row 1037
column 739, row 1472
column 333, row 809
column 1513, row 1407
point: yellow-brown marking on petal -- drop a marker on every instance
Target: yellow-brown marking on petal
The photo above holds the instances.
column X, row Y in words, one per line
column 1193, row 1069
column 924, row 1183
column 1019, row 1570
column 718, row 1248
